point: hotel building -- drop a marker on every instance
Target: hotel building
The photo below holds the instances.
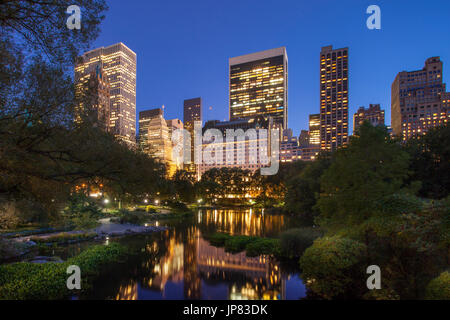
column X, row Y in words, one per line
column 333, row 97
column 256, row 148
column 118, row 63
column 419, row 100
column 259, row 86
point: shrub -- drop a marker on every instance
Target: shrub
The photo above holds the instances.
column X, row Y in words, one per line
column 439, row 288
column 294, row 242
column 65, row 237
column 261, row 246
column 218, row 239
column 333, row 267
column 131, row 218
column 237, row 243
column 177, row 206
column 24, row 280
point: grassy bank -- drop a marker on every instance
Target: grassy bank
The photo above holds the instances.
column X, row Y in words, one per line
column 22, row 281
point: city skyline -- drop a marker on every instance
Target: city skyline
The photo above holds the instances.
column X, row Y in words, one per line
column 201, row 68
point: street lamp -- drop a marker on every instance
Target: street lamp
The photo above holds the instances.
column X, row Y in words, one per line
column 156, row 202
column 106, row 201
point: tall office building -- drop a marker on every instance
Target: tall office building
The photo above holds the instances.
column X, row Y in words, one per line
column 192, row 113
column 92, row 92
column 259, row 85
column 333, row 97
column 118, row 62
column 419, row 100
column 374, row 115
column 314, row 129
column 144, row 123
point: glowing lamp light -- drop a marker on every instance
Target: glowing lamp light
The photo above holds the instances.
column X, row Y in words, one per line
column 106, row 201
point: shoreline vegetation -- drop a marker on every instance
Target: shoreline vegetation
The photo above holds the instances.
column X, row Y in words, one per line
column 47, row 281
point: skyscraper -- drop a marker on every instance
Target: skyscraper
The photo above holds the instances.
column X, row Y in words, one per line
column 419, row 100
column 118, row 62
column 192, row 110
column 259, row 85
column 374, row 114
column 144, row 123
column 333, row 97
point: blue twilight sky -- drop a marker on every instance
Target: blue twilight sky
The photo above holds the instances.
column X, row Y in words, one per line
column 183, row 47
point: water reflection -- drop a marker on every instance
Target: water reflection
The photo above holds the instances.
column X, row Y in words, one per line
column 180, row 264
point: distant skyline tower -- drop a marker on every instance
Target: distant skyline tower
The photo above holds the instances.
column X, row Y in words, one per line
column 259, row 85
column 118, row 62
column 419, row 100
column 192, row 113
column 374, row 114
column 333, row 97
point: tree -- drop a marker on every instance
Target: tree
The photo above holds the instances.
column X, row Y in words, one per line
column 334, row 267
column 363, row 173
column 303, row 188
column 430, row 162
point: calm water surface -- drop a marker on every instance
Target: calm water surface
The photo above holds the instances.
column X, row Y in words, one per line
column 180, row 264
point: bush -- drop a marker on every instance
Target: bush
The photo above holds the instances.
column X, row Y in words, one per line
column 218, row 239
column 24, row 280
column 294, row 242
column 131, row 218
column 261, row 246
column 333, row 267
column 65, row 238
column 177, row 206
column 439, row 288
column 238, row 243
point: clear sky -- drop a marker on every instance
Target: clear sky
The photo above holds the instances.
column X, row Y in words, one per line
column 183, row 47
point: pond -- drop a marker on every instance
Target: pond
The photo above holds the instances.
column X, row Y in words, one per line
column 180, row 264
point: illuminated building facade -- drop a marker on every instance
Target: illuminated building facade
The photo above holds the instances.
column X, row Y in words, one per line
column 259, row 85
column 333, row 97
column 374, row 115
column 289, row 148
column 154, row 137
column 118, row 62
column 92, row 92
column 192, row 114
column 419, row 100
column 253, row 156
column 314, row 129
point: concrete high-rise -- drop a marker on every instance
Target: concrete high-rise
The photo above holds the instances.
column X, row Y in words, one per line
column 333, row 97
column 118, row 62
column 374, row 115
column 259, row 86
column 419, row 100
